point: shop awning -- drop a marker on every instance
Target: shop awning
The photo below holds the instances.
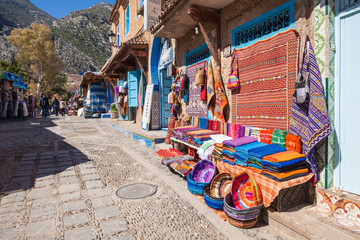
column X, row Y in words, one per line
column 174, row 22
column 89, row 77
column 126, row 56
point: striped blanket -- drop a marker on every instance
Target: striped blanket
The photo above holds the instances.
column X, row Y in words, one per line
column 267, row 73
column 97, row 97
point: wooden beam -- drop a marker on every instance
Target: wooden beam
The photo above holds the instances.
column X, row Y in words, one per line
column 139, row 53
column 138, row 62
column 194, row 14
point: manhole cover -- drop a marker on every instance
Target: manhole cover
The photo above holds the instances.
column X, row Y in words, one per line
column 136, row 191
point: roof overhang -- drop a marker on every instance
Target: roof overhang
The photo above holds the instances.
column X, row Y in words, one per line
column 89, row 77
column 174, row 22
column 126, row 55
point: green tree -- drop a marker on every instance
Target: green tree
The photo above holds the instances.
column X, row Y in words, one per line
column 36, row 53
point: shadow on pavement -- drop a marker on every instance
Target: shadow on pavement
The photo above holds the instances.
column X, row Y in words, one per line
column 34, row 150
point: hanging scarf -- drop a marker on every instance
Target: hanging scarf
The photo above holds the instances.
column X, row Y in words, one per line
column 210, row 86
column 220, row 97
column 311, row 121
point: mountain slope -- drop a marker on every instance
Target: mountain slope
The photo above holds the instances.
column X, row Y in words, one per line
column 81, row 37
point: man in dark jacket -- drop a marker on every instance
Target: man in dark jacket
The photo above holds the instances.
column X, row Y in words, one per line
column 55, row 105
column 44, row 103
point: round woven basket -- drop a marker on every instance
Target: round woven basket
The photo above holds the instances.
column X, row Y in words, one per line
column 245, row 192
column 203, row 171
column 195, row 187
column 241, row 214
column 215, row 203
column 221, row 185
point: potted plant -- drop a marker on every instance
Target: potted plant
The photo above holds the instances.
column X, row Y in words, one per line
column 114, row 112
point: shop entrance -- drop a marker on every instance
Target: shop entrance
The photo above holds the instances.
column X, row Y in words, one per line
column 347, row 128
column 165, row 85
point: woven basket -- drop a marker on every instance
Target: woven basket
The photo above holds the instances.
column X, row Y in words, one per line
column 215, row 203
column 221, row 185
column 240, row 223
column 239, row 214
column 203, row 171
column 195, row 187
column 245, row 192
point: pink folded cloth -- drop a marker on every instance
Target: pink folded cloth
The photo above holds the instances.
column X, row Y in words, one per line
column 239, row 141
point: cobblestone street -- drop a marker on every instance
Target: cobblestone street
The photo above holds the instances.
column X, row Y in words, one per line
column 59, row 178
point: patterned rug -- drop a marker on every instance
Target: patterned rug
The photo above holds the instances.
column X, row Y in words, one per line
column 196, row 107
column 267, row 74
column 311, row 121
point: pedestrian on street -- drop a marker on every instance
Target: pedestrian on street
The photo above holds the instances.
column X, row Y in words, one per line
column 55, row 105
column 62, row 108
column 44, row 104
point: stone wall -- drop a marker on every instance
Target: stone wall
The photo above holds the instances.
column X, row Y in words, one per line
column 236, row 14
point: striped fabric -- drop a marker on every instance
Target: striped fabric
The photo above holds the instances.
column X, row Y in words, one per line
column 97, row 97
column 267, row 74
column 311, row 121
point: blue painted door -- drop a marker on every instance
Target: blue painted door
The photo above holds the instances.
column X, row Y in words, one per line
column 348, row 111
column 133, row 88
column 165, row 85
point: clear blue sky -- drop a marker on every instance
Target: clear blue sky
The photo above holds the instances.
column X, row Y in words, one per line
column 61, row 8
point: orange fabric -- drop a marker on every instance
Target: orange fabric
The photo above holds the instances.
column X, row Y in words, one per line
column 287, row 174
column 269, row 188
column 266, row 136
column 293, row 143
column 283, row 156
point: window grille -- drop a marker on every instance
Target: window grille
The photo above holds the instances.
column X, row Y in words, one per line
column 197, row 55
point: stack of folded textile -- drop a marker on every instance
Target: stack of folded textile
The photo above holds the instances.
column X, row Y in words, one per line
column 284, row 166
column 180, row 131
column 242, row 152
column 206, row 149
column 217, row 153
column 256, row 155
column 198, row 137
column 230, row 148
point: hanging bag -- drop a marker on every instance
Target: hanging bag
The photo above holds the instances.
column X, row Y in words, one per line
column 200, row 77
column 233, row 82
column 302, row 84
column 171, row 97
column 184, row 81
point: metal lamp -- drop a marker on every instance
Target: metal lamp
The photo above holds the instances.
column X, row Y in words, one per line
column 112, row 38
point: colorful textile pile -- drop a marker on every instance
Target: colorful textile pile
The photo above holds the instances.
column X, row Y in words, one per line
column 182, row 167
column 284, row 166
column 267, row 73
column 266, row 136
column 293, row 143
column 278, row 137
column 311, row 121
column 166, row 153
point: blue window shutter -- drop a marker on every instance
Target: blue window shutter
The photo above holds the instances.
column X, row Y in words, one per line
column 133, row 88
column 127, row 20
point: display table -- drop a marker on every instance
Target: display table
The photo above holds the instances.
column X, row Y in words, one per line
column 289, row 193
column 182, row 142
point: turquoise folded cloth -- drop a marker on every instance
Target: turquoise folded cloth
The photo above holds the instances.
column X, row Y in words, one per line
column 260, row 152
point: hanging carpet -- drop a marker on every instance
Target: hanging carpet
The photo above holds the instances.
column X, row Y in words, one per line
column 267, row 73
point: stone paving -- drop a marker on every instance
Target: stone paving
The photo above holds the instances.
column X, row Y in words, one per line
column 62, row 185
column 60, row 201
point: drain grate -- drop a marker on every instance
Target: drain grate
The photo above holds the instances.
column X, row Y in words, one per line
column 136, row 191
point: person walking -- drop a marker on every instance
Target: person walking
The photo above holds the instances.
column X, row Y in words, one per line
column 55, row 105
column 44, row 103
column 62, row 108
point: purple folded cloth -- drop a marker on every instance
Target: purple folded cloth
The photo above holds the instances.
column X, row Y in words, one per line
column 239, row 141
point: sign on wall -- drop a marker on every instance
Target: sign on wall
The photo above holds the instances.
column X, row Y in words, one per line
column 152, row 10
column 145, row 123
